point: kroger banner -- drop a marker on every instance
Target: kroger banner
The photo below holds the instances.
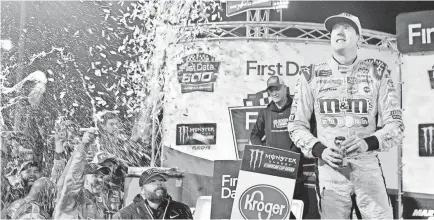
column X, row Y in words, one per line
column 266, row 183
column 418, row 144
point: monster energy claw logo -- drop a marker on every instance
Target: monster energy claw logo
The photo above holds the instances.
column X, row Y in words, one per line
column 183, row 134
column 255, row 155
column 428, row 139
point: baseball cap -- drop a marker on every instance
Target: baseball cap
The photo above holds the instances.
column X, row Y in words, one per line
column 149, row 174
column 27, row 165
column 103, row 157
column 343, row 17
column 93, row 168
column 274, row 81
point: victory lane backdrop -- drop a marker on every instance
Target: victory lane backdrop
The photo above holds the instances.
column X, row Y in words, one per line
column 244, row 69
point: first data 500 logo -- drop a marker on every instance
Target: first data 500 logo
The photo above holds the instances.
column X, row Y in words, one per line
column 264, row 202
column 198, row 72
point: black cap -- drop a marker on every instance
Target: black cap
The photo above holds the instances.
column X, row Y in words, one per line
column 28, row 164
column 149, row 174
column 93, row 168
column 275, row 81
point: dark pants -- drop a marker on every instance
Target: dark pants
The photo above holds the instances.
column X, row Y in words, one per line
column 308, row 196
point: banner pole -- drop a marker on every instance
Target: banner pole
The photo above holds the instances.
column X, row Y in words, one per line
column 400, row 193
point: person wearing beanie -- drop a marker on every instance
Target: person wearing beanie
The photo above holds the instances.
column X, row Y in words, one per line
column 346, row 93
column 154, row 202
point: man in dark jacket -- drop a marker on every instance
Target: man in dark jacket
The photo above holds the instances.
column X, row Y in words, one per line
column 38, row 204
column 155, row 203
column 271, row 128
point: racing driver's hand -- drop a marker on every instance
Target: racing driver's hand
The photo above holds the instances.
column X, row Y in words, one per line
column 332, row 156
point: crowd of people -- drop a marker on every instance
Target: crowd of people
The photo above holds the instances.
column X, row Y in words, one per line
column 86, row 182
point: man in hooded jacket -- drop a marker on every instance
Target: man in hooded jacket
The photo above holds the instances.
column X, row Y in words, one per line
column 271, row 129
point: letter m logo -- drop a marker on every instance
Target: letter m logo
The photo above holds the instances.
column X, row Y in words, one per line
column 358, row 106
column 329, row 106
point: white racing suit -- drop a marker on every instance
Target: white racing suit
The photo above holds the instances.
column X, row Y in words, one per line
column 346, row 101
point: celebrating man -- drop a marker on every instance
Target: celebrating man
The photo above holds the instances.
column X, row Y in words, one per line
column 154, row 203
column 346, row 93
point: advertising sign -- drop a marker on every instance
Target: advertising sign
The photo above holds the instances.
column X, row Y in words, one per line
column 418, row 206
column 426, row 135
column 242, row 120
column 201, row 136
column 237, row 7
column 418, row 117
column 198, row 72
column 415, row 32
column 225, row 182
column 266, row 183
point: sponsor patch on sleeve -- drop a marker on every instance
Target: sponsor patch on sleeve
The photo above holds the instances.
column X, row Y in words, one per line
column 307, row 72
column 396, row 114
column 379, row 68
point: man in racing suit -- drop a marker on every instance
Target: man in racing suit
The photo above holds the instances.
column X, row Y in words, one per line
column 346, row 93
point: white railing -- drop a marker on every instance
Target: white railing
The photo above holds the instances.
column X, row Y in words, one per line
column 292, row 31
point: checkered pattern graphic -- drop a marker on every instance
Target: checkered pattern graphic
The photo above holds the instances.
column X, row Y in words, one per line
column 257, row 99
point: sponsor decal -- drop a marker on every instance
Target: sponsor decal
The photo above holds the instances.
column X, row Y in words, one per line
column 426, row 146
column 347, row 121
column 198, row 72
column 281, row 123
column 264, row 202
column 390, row 86
column 256, row 157
column 328, row 89
column 414, row 32
column 363, row 68
column 366, row 89
column 292, row 117
column 345, row 69
column 201, row 136
column 335, row 81
column 352, row 89
column 336, row 106
column 431, row 77
column 324, row 73
column 366, row 80
column 307, row 72
column 290, row 68
column 352, row 80
column 379, row 67
column 396, row 114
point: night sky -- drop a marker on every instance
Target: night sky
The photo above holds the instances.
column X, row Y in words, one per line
column 378, row 15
